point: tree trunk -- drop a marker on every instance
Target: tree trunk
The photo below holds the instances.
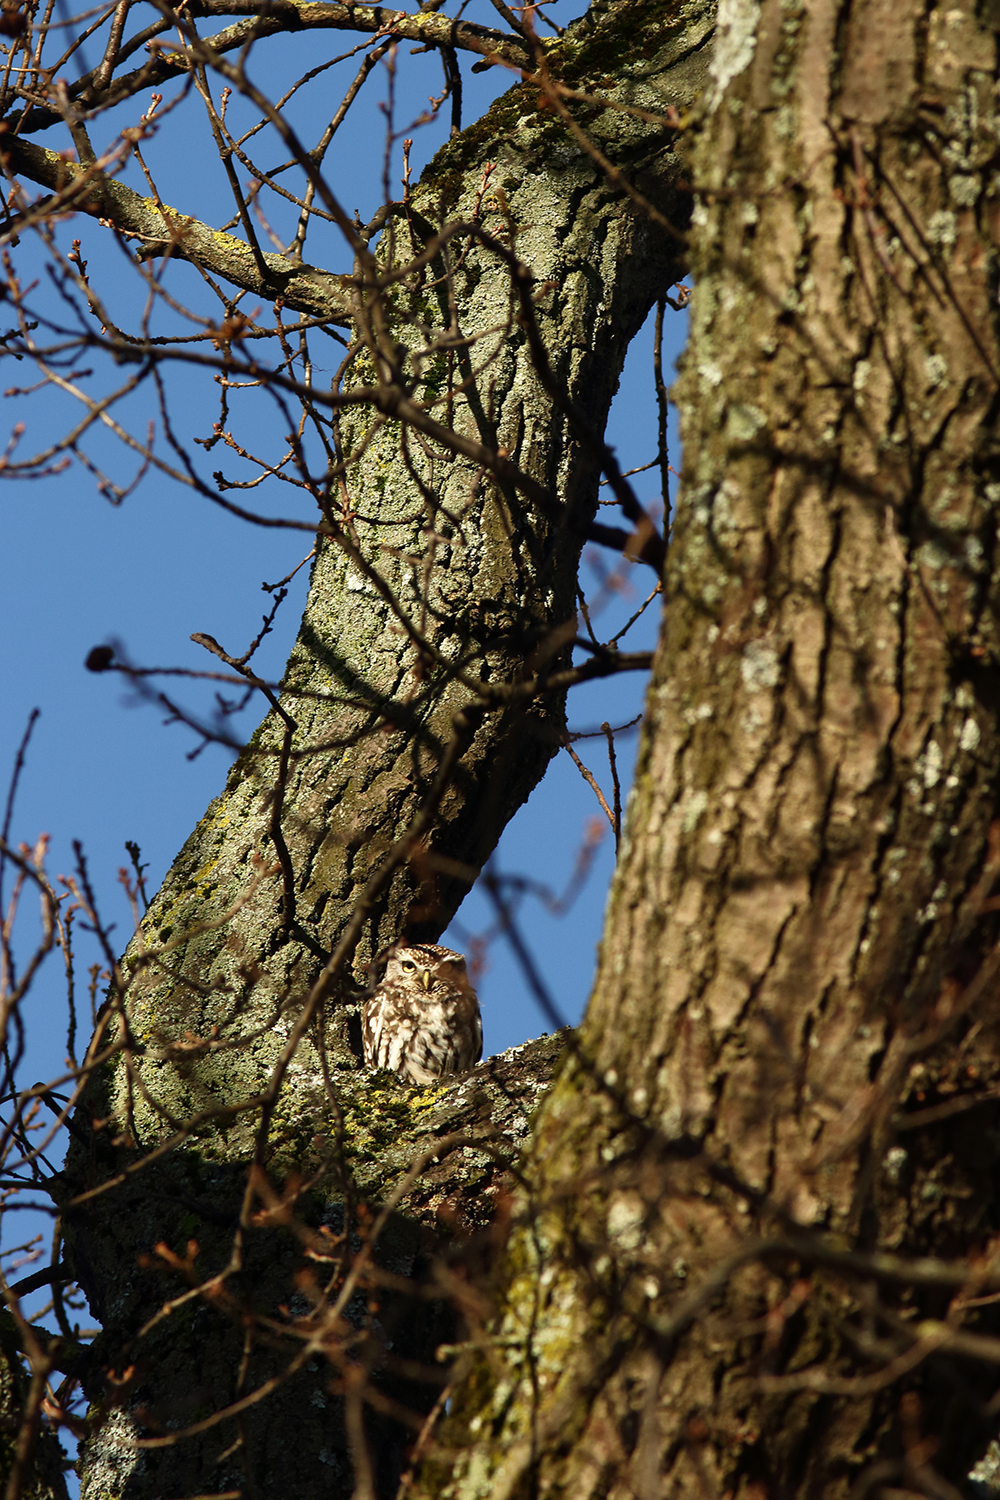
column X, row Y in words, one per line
column 791, row 1060
column 228, row 1046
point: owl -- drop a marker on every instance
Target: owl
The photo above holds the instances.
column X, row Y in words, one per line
column 422, row 1020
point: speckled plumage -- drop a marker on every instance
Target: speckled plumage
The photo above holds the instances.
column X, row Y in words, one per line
column 422, row 1020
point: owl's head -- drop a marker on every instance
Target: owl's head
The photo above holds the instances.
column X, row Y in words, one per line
column 419, row 966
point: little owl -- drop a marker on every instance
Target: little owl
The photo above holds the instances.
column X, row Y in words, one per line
column 422, row 1020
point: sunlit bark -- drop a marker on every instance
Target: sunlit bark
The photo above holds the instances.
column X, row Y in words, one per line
column 792, row 1046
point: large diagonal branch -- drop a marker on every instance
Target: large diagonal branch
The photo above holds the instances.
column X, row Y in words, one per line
column 87, row 189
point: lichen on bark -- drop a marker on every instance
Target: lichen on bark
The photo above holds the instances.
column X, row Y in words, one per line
column 797, row 955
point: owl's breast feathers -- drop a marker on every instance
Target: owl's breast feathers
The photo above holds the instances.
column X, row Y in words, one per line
column 422, row 1022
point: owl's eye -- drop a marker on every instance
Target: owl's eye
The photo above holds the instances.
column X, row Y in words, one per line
column 408, row 965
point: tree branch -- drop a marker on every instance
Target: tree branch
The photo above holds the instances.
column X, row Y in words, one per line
column 425, row 27
column 89, row 190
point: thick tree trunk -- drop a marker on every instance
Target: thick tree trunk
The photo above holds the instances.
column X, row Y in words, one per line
column 212, row 1053
column 792, row 1049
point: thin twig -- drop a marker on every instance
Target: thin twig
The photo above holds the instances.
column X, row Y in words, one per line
column 617, row 820
column 588, row 777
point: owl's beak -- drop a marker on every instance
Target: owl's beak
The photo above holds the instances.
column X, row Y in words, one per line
column 426, row 978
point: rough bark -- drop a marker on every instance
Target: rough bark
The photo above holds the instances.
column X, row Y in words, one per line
column 793, row 1037
column 217, row 980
